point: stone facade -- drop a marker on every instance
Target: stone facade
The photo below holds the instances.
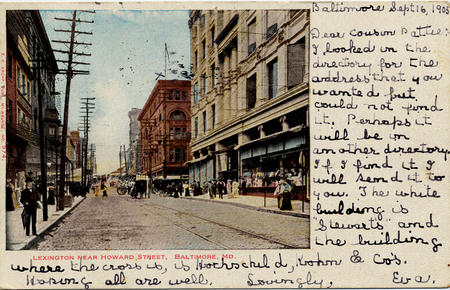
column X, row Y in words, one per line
column 134, row 139
column 249, row 101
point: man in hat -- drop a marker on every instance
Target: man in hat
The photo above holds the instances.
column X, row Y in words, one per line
column 29, row 199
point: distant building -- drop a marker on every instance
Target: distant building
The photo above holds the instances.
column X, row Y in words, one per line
column 249, row 106
column 165, row 130
column 133, row 161
column 75, row 136
column 27, row 42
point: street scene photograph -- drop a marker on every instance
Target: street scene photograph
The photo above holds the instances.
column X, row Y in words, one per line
column 157, row 129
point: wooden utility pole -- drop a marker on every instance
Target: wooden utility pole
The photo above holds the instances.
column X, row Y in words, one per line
column 42, row 141
column 70, row 73
column 125, row 159
column 120, row 159
column 85, row 109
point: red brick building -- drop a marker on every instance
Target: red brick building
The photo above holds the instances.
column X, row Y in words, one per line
column 165, row 131
column 27, row 41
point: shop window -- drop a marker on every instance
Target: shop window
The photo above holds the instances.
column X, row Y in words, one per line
column 204, row 122
column 251, row 36
column 196, row 127
column 195, row 93
column 272, row 69
column 213, row 116
column 296, row 63
column 177, row 115
column 272, row 26
column 251, row 92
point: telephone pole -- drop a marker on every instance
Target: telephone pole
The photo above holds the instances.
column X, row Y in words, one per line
column 70, row 73
column 87, row 105
column 125, row 158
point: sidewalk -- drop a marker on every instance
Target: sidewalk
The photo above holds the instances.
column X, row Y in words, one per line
column 15, row 233
column 257, row 203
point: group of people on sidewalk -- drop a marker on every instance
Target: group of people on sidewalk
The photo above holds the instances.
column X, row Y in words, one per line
column 30, row 200
column 283, row 193
column 232, row 189
column 217, row 188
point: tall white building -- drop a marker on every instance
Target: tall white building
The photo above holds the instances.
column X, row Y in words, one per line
column 249, row 100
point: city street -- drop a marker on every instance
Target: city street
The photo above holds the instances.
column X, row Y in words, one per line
column 120, row 222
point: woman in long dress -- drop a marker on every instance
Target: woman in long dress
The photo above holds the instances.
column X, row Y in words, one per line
column 229, row 187
column 235, row 189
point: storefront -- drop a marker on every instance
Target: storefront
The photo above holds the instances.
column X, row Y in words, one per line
column 266, row 161
column 202, row 170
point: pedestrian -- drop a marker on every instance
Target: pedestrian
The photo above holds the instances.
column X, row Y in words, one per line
column 278, row 193
column 175, row 191
column 103, row 187
column 286, row 203
column 221, row 187
column 9, row 196
column 51, row 195
column 214, row 187
column 229, row 188
column 235, row 188
column 210, row 190
column 243, row 185
column 29, row 199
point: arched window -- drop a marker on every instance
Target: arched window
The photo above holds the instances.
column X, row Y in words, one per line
column 177, row 115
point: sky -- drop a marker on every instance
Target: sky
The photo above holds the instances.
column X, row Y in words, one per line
column 128, row 49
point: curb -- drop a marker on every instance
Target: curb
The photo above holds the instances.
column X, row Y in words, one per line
column 40, row 235
column 289, row 213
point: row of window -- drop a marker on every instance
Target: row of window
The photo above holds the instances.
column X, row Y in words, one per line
column 205, row 121
column 177, row 133
column 177, row 155
column 23, row 84
column 177, row 95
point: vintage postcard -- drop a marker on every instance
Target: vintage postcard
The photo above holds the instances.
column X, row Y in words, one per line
column 224, row 145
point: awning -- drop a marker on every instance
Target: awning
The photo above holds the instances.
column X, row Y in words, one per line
column 199, row 159
column 168, row 177
column 272, row 136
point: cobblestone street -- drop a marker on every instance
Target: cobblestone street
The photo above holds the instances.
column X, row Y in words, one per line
column 120, row 222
